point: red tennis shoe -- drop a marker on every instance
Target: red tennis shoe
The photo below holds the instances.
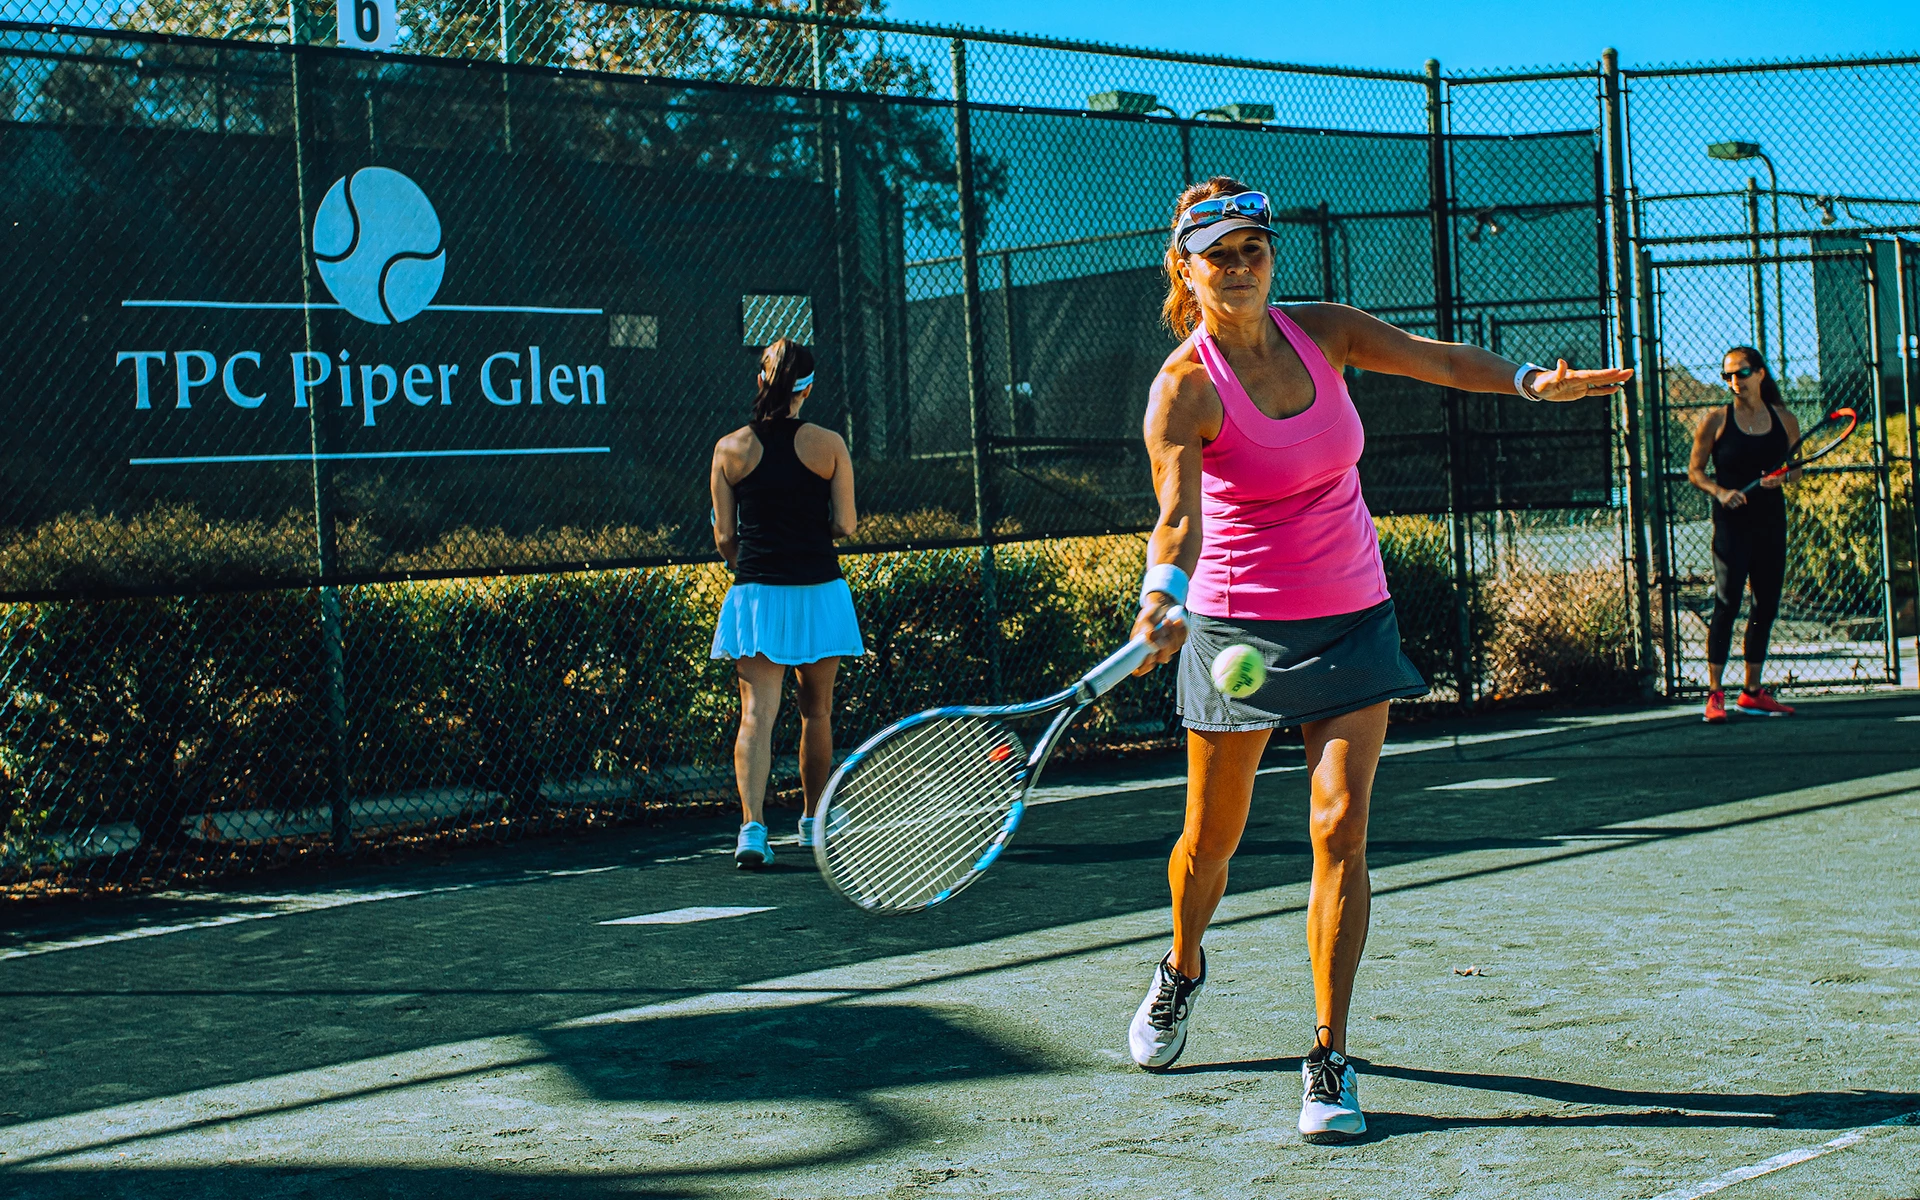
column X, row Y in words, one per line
column 1758, row 703
column 1716, row 708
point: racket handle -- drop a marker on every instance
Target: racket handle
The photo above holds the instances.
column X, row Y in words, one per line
column 1122, row 663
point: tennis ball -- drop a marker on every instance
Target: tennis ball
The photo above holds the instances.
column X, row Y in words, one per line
column 376, row 240
column 1239, row 671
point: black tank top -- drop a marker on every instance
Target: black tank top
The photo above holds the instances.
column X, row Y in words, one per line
column 1740, row 457
column 786, row 514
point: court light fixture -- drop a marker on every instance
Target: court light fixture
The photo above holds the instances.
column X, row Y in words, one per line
column 1240, row 112
column 1115, row 100
column 1734, row 151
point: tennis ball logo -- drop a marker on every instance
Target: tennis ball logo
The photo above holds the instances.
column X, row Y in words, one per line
column 377, row 241
column 1239, row 671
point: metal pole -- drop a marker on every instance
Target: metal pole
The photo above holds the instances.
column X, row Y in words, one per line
column 1440, row 210
column 976, row 364
column 1909, row 394
column 1012, row 359
column 1632, row 396
column 1654, row 457
column 1326, row 253
column 1883, row 499
column 333, row 649
column 1759, row 278
column 1779, row 284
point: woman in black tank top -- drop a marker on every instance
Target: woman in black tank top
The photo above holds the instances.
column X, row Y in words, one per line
column 782, row 492
column 1741, row 443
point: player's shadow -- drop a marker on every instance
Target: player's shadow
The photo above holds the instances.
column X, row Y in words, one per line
column 1639, row 1108
column 828, row 1051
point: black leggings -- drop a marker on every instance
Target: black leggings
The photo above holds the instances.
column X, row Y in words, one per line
column 1746, row 554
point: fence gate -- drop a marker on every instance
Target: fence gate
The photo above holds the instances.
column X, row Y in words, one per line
column 1827, row 315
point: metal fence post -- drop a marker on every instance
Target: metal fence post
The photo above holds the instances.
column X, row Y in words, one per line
column 1633, row 395
column 1758, row 281
column 333, row 661
column 1903, row 265
column 976, row 337
column 1440, row 206
column 1882, row 468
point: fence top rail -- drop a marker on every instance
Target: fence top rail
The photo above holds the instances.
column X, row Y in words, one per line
column 1538, row 75
column 1764, row 67
column 1748, row 260
column 1784, row 235
column 963, row 33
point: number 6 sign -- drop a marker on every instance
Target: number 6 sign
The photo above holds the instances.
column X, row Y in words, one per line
column 368, row 24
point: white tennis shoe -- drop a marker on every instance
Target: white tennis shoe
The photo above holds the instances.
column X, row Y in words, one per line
column 1159, row 1030
column 1330, row 1105
column 750, row 849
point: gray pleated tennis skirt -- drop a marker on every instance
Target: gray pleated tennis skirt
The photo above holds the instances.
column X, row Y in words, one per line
column 1316, row 668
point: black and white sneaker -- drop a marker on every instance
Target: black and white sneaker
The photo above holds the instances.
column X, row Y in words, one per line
column 1330, row 1108
column 1159, row 1030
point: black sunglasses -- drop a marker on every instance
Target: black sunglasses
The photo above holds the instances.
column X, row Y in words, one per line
column 1742, row 373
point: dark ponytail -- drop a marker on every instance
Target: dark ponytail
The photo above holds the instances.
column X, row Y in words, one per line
column 781, row 364
column 1769, row 388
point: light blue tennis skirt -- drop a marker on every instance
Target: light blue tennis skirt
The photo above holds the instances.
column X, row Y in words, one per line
column 789, row 624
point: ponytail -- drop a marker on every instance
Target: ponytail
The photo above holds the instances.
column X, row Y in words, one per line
column 782, row 364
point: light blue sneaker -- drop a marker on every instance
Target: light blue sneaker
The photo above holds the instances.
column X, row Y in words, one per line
column 806, row 831
column 750, row 850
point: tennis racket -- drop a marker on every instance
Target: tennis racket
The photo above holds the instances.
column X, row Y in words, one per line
column 1825, row 437
column 923, row 807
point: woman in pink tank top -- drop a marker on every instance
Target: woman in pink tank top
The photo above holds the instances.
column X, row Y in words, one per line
column 1254, row 442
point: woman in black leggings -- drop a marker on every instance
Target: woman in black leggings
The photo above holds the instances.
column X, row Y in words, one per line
column 1741, row 443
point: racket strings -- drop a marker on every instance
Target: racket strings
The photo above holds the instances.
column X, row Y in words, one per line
column 919, row 833
column 911, row 821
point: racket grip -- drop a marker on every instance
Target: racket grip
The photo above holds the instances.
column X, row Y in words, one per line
column 1120, row 664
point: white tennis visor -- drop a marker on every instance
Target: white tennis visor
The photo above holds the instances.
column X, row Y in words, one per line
column 1199, row 239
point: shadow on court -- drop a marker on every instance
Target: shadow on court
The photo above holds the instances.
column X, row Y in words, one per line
column 1644, row 1109
column 119, row 1023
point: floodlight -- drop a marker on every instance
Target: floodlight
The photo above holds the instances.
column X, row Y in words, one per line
column 1134, row 103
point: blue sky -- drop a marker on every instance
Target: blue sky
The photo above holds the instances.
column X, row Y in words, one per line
column 1488, row 33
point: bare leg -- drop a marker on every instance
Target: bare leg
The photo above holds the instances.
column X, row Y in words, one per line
column 1754, row 670
column 816, row 727
column 760, row 680
column 1220, row 770
column 1342, row 754
column 1716, row 672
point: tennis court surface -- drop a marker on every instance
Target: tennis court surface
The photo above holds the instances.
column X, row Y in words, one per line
column 1613, row 955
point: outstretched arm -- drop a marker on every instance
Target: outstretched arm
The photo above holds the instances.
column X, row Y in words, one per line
column 1371, row 344
column 1174, row 432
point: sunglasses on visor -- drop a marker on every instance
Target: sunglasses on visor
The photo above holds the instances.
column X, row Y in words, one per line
column 1251, row 205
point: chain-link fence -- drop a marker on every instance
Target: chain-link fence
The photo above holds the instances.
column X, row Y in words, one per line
column 360, row 403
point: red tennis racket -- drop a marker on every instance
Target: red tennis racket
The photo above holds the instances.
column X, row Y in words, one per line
column 1825, row 437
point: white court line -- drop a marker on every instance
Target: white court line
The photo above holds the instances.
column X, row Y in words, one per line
column 1914, row 718
column 49, row 1139
column 1781, row 1162
column 1054, row 795
column 1491, row 785
column 292, row 905
column 270, row 907
column 688, row 916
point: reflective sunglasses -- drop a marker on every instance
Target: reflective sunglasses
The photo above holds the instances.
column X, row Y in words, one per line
column 1742, row 373
column 1251, row 205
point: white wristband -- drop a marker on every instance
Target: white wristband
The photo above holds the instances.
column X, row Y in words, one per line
column 1520, row 381
column 1164, row 577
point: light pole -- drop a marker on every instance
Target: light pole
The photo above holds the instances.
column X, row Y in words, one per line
column 1737, row 151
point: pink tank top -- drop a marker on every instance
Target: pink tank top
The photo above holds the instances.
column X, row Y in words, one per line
column 1287, row 535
